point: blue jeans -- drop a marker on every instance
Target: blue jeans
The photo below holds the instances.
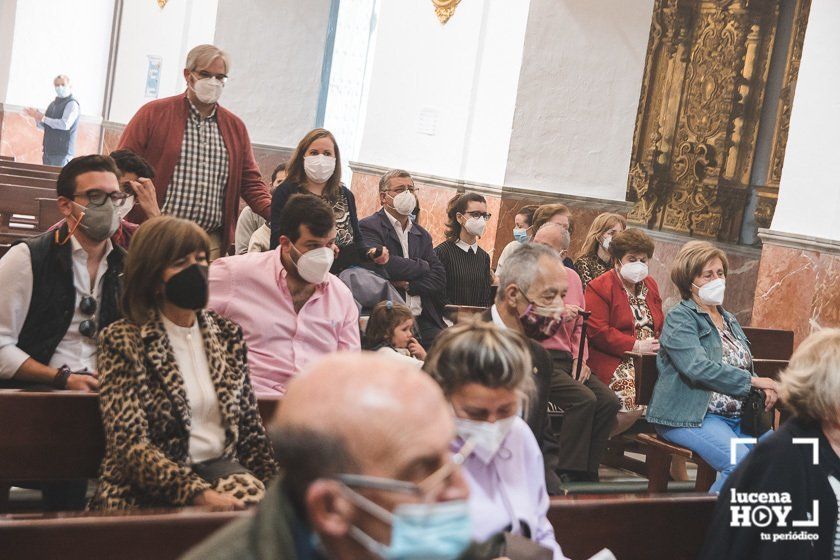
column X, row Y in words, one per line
column 711, row 442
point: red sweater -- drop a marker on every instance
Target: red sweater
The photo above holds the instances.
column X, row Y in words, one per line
column 156, row 132
column 611, row 329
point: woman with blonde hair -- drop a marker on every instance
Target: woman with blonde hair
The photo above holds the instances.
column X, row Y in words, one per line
column 799, row 466
column 181, row 421
column 594, row 257
column 485, row 374
column 315, row 168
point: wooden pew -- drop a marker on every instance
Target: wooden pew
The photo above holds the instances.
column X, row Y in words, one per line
column 35, row 208
column 21, row 172
column 7, row 158
column 58, row 435
column 633, row 527
column 27, row 181
column 770, row 344
column 162, row 535
column 458, row 313
column 32, row 166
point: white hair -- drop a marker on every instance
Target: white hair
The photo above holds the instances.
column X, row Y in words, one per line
column 201, row 56
column 810, row 385
column 522, row 266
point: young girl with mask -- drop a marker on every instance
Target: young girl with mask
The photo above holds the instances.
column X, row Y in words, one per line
column 626, row 315
column 485, row 374
column 522, row 233
column 181, row 422
column 594, row 258
column 315, row 168
column 390, row 330
column 468, row 274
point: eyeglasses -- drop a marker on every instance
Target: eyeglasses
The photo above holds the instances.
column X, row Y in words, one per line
column 423, row 489
column 556, row 305
column 399, row 190
column 88, row 326
column 477, row 214
column 205, row 74
column 98, row 197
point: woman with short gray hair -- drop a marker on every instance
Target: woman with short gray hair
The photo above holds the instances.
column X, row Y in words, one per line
column 795, row 471
column 485, row 374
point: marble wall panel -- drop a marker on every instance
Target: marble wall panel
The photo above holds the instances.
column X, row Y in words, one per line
column 798, row 289
column 111, row 133
column 21, row 139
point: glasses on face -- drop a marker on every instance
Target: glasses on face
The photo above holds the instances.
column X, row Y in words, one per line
column 204, row 74
column 477, row 214
column 425, row 489
column 88, row 326
column 399, row 190
column 556, row 304
column 98, row 197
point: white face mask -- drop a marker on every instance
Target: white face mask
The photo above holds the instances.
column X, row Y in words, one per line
column 62, row 91
column 475, row 226
column 405, row 203
column 634, row 272
column 208, row 90
column 313, row 266
column 126, row 207
column 712, row 292
column 319, row 168
column 487, row 436
column 605, row 242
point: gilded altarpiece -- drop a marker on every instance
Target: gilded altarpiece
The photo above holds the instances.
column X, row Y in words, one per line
column 700, row 106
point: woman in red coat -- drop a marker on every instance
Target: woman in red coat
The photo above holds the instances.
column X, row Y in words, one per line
column 626, row 316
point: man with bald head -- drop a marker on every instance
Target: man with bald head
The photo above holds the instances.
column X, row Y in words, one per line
column 363, row 444
column 590, row 406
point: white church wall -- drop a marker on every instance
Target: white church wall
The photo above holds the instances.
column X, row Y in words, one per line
column 809, row 193
column 277, row 48
column 441, row 97
column 578, row 96
column 54, row 37
column 168, row 33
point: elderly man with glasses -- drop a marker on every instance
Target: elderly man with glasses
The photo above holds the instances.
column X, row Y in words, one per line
column 413, row 267
column 363, row 443
column 201, row 152
column 60, row 289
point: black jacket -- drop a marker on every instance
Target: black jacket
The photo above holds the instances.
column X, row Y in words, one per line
column 537, row 418
column 777, row 465
column 421, row 268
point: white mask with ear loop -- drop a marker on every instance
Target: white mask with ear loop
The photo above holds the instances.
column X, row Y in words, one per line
column 711, row 293
column 405, row 203
column 313, row 266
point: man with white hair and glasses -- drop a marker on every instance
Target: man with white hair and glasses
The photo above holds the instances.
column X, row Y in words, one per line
column 201, row 152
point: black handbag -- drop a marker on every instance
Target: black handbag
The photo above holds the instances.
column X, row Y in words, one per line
column 755, row 421
column 214, row 470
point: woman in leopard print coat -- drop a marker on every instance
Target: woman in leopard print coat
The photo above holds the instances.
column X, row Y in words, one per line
column 151, row 426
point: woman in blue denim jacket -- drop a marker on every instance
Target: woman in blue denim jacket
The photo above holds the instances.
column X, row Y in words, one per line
column 704, row 363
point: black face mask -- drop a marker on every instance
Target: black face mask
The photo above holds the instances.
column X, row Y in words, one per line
column 188, row 289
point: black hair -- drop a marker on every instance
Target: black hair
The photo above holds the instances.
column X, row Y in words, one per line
column 309, row 210
column 129, row 162
column 278, row 169
column 66, row 184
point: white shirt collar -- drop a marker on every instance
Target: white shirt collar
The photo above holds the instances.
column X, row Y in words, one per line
column 396, row 223
column 76, row 246
column 497, row 319
column 465, row 247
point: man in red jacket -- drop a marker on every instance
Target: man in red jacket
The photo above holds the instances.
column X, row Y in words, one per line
column 201, row 152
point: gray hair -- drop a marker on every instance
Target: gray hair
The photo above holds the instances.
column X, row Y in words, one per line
column 522, row 266
column 392, row 174
column 810, row 386
column 475, row 351
column 201, row 56
column 565, row 236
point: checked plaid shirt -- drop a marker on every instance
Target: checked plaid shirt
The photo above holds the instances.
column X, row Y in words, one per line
column 197, row 189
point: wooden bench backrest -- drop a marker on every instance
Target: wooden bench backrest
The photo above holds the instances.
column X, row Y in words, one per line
column 770, row 344
column 10, row 169
column 27, row 181
column 9, row 161
column 138, row 536
column 58, row 435
column 632, row 527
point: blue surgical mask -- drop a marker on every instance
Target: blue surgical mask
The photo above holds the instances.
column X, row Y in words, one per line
column 62, row 91
column 521, row 235
column 432, row 531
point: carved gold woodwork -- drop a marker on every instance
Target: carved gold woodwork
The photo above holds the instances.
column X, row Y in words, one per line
column 444, row 9
column 700, row 106
column 162, row 3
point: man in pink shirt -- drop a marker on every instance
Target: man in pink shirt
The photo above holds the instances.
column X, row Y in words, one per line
column 590, row 406
column 291, row 309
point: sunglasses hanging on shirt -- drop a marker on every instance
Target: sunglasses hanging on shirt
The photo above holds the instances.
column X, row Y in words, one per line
column 88, row 327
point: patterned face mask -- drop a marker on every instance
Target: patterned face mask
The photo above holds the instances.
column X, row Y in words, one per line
column 540, row 323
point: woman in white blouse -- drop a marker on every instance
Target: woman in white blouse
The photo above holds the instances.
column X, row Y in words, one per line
column 181, row 421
